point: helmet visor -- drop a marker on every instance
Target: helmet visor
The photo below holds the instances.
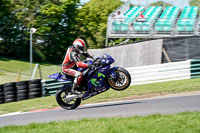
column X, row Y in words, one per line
column 81, row 49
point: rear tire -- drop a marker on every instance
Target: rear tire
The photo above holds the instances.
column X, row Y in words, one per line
column 64, row 104
column 123, row 80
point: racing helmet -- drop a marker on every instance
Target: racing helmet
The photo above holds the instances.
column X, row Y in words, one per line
column 79, row 46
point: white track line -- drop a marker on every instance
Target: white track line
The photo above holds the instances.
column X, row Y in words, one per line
column 10, row 114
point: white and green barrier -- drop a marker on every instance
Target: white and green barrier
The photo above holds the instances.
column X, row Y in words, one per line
column 165, row 72
column 195, row 69
column 145, row 74
column 50, row 87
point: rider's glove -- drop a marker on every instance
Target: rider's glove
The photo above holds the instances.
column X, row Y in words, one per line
column 91, row 66
column 87, row 55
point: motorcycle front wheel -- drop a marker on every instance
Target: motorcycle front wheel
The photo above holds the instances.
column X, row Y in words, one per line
column 122, row 81
column 60, row 98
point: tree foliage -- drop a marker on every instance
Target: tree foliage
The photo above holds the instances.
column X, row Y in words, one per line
column 160, row 3
column 195, row 3
column 58, row 23
column 8, row 28
column 56, row 26
column 92, row 21
column 54, row 20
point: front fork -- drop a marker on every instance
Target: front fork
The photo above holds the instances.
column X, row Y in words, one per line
column 112, row 73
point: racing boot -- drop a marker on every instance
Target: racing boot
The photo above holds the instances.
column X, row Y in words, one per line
column 74, row 89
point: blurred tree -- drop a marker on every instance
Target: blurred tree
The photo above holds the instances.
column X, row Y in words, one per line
column 54, row 20
column 195, row 3
column 56, row 27
column 58, row 23
column 8, row 28
column 92, row 21
column 160, row 3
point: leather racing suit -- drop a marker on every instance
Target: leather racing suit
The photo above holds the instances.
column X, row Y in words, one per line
column 72, row 62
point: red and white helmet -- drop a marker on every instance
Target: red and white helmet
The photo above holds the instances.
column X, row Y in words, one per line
column 79, row 45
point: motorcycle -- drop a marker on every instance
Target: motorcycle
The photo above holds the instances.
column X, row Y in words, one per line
column 95, row 81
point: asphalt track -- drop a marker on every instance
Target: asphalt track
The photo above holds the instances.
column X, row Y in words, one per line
column 165, row 105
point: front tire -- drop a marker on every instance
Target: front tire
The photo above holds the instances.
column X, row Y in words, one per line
column 64, row 104
column 122, row 81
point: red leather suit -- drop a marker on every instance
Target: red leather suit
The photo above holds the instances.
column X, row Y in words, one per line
column 71, row 62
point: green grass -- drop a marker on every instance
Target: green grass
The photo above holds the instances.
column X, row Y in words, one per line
column 1, row 74
column 10, row 68
column 187, row 122
column 27, row 105
column 132, row 92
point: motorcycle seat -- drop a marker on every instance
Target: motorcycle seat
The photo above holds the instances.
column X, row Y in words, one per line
column 66, row 76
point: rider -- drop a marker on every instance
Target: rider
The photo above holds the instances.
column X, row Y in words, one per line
column 72, row 62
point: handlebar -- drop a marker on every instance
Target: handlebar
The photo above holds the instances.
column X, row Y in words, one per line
column 97, row 64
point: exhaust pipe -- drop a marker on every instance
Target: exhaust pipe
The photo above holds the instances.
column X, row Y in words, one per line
column 73, row 96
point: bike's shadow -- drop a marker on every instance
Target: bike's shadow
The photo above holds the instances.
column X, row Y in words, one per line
column 105, row 105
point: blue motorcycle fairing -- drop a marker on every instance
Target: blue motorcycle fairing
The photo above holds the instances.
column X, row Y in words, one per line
column 59, row 77
column 99, row 77
column 106, row 60
column 96, row 78
column 112, row 72
column 109, row 58
column 97, row 81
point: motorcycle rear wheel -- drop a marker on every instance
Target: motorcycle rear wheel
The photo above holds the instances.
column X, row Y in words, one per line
column 61, row 94
column 122, row 81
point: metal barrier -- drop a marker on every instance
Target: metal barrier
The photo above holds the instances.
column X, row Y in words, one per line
column 145, row 74
column 165, row 72
column 122, row 9
column 150, row 29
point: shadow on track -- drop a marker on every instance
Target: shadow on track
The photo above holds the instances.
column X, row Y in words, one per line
column 107, row 105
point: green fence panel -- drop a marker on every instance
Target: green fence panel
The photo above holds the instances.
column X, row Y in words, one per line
column 195, row 68
column 195, row 77
column 50, row 87
column 195, row 65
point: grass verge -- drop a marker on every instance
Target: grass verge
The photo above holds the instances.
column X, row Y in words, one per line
column 187, row 122
column 10, row 69
column 138, row 91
